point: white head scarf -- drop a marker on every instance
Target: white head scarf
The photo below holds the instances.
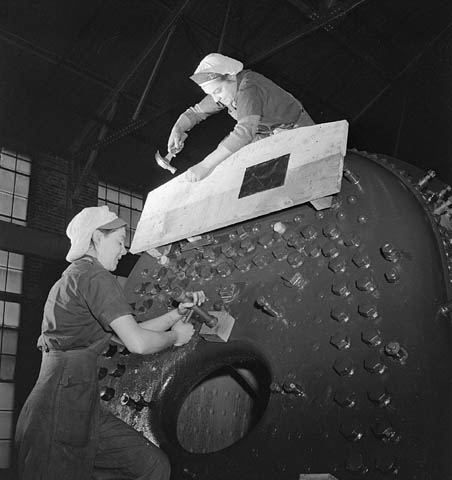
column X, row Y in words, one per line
column 213, row 66
column 82, row 226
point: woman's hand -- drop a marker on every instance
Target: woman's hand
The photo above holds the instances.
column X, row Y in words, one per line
column 183, row 331
column 198, row 298
column 176, row 140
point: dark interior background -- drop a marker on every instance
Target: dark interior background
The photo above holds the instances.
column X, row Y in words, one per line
column 74, row 71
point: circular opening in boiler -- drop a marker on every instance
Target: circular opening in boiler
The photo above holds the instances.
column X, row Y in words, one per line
column 224, row 407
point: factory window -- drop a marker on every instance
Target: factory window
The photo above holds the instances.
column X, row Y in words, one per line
column 11, row 270
column 14, row 186
column 126, row 204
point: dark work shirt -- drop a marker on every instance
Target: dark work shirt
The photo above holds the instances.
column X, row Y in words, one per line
column 257, row 96
column 80, row 307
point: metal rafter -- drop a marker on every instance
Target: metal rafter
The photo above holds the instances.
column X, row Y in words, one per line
column 225, row 24
column 306, row 30
column 410, row 65
column 112, row 96
column 355, row 49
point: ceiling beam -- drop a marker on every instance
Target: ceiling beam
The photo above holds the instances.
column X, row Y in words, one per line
column 321, row 22
column 409, row 66
column 355, row 49
column 112, row 96
column 55, row 59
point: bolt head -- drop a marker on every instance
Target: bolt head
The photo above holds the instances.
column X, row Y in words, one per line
column 366, row 284
column 331, row 231
column 340, row 288
column 309, row 232
column 344, row 367
column 379, row 396
column 340, row 341
column 371, row 337
column 339, row 315
column 337, row 265
column 375, row 365
column 361, row 260
column 330, row 250
column 392, row 275
column 368, row 310
column 345, row 399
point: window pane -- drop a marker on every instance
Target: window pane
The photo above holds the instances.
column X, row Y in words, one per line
column 5, row 453
column 124, row 199
column 135, row 218
column 23, row 167
column 6, row 425
column 7, row 161
column 14, row 281
column 16, row 260
column 101, row 191
column 3, row 258
column 124, row 213
column 6, row 396
column 7, row 367
column 2, row 278
column 12, row 315
column 20, row 208
column 137, row 203
column 6, row 181
column 22, row 184
column 112, row 195
column 6, row 204
column 9, row 341
column 2, row 309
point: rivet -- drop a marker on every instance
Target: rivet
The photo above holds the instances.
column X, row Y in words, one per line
column 351, row 199
column 362, row 219
column 298, row 218
column 341, row 215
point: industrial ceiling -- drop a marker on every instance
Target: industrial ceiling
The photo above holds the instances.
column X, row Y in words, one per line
column 102, row 81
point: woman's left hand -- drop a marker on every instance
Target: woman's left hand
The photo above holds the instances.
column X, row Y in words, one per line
column 198, row 298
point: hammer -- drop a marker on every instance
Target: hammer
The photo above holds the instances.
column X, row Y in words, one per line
column 165, row 162
column 216, row 326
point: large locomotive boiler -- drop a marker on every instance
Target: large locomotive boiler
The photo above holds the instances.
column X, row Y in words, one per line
column 339, row 360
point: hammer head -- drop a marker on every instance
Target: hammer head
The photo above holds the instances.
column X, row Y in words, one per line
column 164, row 162
column 221, row 331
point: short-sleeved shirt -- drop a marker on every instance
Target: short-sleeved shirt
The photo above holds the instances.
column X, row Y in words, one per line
column 80, row 307
column 256, row 96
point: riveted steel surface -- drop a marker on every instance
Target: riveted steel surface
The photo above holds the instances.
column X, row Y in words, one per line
column 339, row 360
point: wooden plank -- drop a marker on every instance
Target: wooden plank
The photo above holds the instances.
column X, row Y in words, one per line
column 180, row 209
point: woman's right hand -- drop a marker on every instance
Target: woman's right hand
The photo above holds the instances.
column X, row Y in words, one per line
column 176, row 140
column 183, row 331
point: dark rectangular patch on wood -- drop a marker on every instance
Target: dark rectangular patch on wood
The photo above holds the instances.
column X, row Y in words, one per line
column 264, row 176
